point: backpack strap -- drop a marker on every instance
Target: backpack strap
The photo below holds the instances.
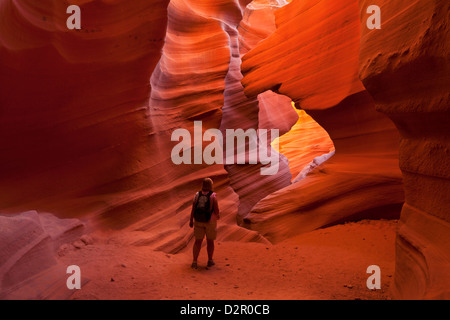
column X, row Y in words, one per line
column 211, row 207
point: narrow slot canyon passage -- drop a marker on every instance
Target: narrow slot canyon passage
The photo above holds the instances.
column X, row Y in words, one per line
column 106, row 135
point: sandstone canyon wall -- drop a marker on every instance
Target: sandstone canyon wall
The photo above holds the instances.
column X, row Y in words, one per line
column 405, row 68
column 86, row 133
column 312, row 57
column 198, row 79
column 86, row 119
column 29, row 268
column 72, row 125
column 83, row 134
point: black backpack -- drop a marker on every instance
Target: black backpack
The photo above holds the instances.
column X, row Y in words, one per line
column 203, row 211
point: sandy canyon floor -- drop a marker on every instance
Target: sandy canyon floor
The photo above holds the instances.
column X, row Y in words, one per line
column 328, row 263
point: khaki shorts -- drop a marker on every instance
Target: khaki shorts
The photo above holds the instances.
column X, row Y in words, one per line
column 208, row 228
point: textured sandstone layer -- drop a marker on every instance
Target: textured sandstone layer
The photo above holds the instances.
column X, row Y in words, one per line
column 258, row 22
column 306, row 140
column 73, row 127
column 78, row 134
column 405, row 67
column 190, row 83
column 198, row 79
column 241, row 112
column 29, row 268
column 84, row 134
column 312, row 57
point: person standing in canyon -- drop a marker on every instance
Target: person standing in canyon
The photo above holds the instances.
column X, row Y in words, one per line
column 204, row 216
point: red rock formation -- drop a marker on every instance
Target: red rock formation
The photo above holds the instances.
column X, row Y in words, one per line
column 79, row 136
column 258, row 22
column 405, row 67
column 73, row 129
column 198, row 78
column 28, row 267
column 240, row 112
column 61, row 113
column 313, row 58
column 189, row 84
column 84, row 133
column 303, row 143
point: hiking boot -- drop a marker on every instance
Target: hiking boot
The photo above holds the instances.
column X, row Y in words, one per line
column 211, row 263
column 194, row 265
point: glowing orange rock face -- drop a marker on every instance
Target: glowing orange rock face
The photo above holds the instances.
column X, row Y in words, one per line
column 73, row 101
column 304, row 142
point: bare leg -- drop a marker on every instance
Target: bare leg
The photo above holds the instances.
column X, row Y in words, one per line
column 196, row 249
column 210, row 248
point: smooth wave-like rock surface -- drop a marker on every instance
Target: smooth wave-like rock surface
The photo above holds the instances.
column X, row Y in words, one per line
column 29, row 268
column 406, row 70
column 87, row 116
column 241, row 112
column 73, row 126
column 312, row 57
column 86, row 133
column 189, row 84
column 306, row 141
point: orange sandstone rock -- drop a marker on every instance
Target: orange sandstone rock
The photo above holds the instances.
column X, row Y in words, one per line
column 405, row 67
column 312, row 57
column 73, row 103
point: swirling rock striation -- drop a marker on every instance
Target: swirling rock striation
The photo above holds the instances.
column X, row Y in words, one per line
column 405, row 67
column 73, row 127
column 312, row 58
